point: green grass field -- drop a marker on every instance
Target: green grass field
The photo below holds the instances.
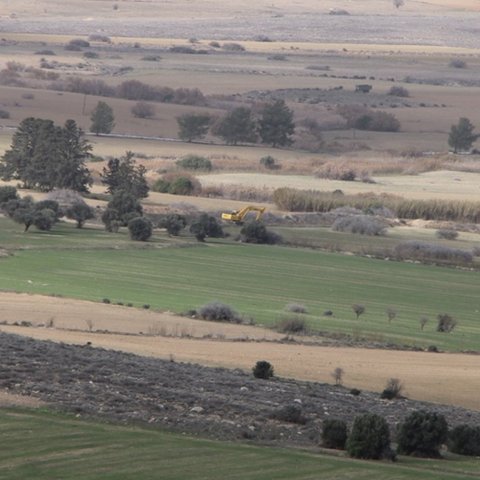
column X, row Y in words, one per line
column 256, row 280
column 45, row 446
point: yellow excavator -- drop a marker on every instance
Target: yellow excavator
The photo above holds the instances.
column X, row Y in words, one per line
column 238, row 216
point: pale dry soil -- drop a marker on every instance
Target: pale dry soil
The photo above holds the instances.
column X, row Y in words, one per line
column 70, row 314
column 445, row 184
column 435, row 377
column 8, row 399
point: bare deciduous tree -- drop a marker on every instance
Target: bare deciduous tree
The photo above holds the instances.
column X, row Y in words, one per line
column 358, row 309
column 398, row 3
column 337, row 375
column 391, row 313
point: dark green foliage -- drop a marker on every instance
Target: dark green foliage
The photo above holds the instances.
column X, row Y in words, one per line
column 268, row 162
column 422, row 433
column 173, row 223
column 102, row 119
column 334, row 434
column 256, row 232
column 276, row 125
column 4, row 114
column 25, row 211
column 140, row 229
column 120, row 210
column 355, row 392
column 194, row 162
column 291, row 414
column 181, row 186
column 369, row 438
column 161, row 185
column 106, row 300
column 8, row 193
column 44, row 219
column 206, row 226
column 45, row 156
column 446, row 323
column 263, row 369
column 193, row 126
column 465, row 440
column 80, row 212
column 237, row 126
column 122, row 174
column 461, row 135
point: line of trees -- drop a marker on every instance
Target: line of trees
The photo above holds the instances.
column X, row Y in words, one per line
column 275, row 125
column 45, row 156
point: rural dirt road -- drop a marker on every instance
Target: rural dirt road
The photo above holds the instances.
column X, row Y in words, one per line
column 436, row 377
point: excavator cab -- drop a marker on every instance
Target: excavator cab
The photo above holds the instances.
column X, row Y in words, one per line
column 238, row 216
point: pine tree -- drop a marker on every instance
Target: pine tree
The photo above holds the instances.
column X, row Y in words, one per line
column 102, row 119
column 237, row 126
column 461, row 136
column 276, row 124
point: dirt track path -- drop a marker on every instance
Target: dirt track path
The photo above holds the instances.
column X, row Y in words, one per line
column 443, row 378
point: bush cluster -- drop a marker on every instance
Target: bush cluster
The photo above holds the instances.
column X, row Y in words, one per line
column 256, row 232
column 194, row 162
column 177, row 184
column 291, row 414
column 292, row 325
column 430, row 252
column 446, row 234
column 219, row 312
column 361, row 224
column 263, row 369
column 132, row 90
column 334, row 434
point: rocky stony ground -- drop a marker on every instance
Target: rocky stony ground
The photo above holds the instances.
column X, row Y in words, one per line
column 213, row 402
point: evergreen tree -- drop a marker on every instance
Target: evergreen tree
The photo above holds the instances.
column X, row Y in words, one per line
column 44, row 156
column 102, row 119
column 74, row 150
column 122, row 174
column 276, row 124
column 461, row 136
column 193, row 126
column 237, row 126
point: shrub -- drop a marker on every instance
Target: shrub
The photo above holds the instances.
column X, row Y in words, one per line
column 291, row 414
column 4, row 114
column 355, row 392
column 77, row 44
column 178, row 184
column 106, row 300
column 337, row 375
column 465, row 440
column 173, row 223
column 7, row 193
column 181, row 186
column 396, row 91
column 446, row 233
column 269, row 162
column 146, row 306
column 206, row 226
column 44, row 219
column 457, row 63
column 263, row 369
column 219, row 312
column 143, row 110
column 296, row 308
column 363, row 118
column 45, row 52
column 96, row 37
column 214, row 44
column 292, row 325
column 256, row 232
column 333, row 171
column 361, row 224
column 424, row 251
column 140, row 229
column 233, row 47
column 422, row 433
column 151, row 58
column 194, row 162
column 446, row 323
column 392, row 390
column 369, row 438
column 90, row 54
column 334, row 434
